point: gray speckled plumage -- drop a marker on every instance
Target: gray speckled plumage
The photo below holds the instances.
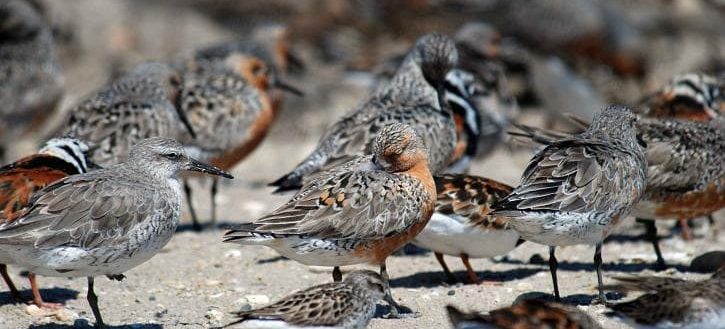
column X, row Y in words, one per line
column 221, row 104
column 30, row 74
column 684, row 158
column 346, row 305
column 348, row 212
column 103, row 222
column 579, row 187
column 598, row 176
column 411, row 97
column 140, row 104
column 672, row 302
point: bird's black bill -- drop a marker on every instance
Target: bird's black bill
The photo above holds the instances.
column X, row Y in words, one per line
column 199, row 166
column 288, row 88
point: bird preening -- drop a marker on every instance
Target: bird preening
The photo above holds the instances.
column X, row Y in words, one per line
column 552, row 127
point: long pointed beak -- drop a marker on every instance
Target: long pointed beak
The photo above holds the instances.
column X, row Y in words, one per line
column 286, row 87
column 199, row 166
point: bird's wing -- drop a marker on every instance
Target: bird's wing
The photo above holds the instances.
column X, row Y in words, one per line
column 79, row 211
column 470, row 197
column 354, row 205
column 112, row 121
column 666, row 304
column 319, row 306
column 568, row 176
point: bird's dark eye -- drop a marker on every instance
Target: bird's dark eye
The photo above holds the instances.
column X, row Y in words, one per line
column 172, row 155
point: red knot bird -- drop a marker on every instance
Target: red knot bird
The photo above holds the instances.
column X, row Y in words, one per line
column 693, row 96
column 231, row 98
column 669, row 302
column 347, row 304
column 413, row 97
column 103, row 222
column 685, row 176
column 30, row 74
column 461, row 226
column 577, row 189
column 526, row 314
column 357, row 212
column 60, row 157
column 138, row 105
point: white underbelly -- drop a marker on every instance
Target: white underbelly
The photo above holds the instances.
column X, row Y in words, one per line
column 451, row 236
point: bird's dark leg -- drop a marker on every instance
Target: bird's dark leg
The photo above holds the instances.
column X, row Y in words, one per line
column 194, row 219
column 214, row 190
column 396, row 310
column 651, row 235
column 552, row 268
column 446, row 270
column 336, row 274
column 93, row 302
column 598, row 265
column 13, row 290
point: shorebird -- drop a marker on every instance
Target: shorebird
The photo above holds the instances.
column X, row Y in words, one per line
column 231, row 100
column 577, row 189
column 60, row 157
column 104, row 222
column 140, row 104
column 461, row 226
column 413, row 96
column 30, row 74
column 685, row 176
column 674, row 303
column 347, row 304
column 357, row 212
column 693, row 96
column 526, row 314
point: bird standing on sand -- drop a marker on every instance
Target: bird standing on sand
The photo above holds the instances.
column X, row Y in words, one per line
column 685, row 176
column 104, row 222
column 577, row 189
column 357, row 212
column 347, row 304
column 231, row 100
column 461, row 226
column 60, row 157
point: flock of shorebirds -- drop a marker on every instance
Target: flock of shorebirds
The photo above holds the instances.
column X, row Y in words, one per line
column 106, row 194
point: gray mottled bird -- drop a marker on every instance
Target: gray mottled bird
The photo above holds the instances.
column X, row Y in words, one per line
column 140, row 104
column 414, row 96
column 231, row 97
column 357, row 212
column 674, row 303
column 525, row 314
column 103, row 222
column 347, row 304
column 31, row 83
column 685, row 175
column 578, row 188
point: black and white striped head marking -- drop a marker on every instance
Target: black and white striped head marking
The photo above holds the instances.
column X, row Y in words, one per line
column 459, row 88
column 705, row 90
column 71, row 150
